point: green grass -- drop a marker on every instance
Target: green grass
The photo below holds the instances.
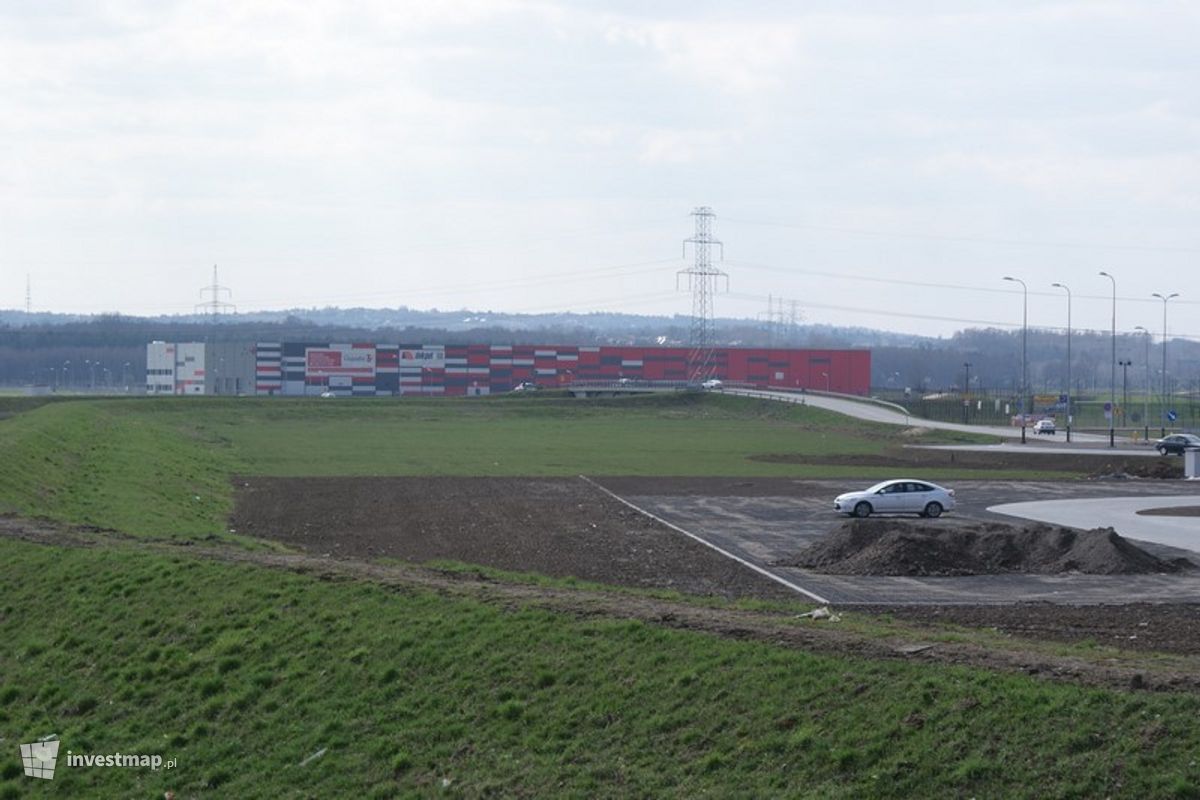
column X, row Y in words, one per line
column 160, row 467
column 95, row 463
column 241, row 673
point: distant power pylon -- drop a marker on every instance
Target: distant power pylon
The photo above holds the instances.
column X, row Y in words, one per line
column 776, row 318
column 702, row 279
column 215, row 305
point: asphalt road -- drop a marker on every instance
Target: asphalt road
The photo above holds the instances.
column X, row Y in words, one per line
column 875, row 412
column 767, row 530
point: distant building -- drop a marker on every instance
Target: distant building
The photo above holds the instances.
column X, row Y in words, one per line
column 225, row 368
column 367, row 369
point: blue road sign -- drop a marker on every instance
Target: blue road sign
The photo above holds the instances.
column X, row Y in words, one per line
column 1172, row 416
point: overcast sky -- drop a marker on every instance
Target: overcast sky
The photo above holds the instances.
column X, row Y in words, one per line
column 882, row 164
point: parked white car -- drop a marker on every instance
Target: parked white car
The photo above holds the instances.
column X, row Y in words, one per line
column 1044, row 426
column 901, row 496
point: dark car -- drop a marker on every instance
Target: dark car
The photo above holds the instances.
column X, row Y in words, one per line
column 1176, row 443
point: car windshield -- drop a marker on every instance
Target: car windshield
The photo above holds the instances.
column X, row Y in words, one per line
column 879, row 486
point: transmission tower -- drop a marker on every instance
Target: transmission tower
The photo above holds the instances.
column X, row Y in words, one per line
column 702, row 279
column 776, row 319
column 215, row 305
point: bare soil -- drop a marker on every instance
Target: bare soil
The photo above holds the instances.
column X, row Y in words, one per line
column 1172, row 511
column 1099, row 465
column 945, row 548
column 1137, row 626
column 563, row 528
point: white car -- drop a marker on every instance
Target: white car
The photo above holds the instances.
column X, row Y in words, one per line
column 711, row 383
column 1044, row 426
column 902, row 496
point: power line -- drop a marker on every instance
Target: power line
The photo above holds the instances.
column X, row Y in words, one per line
column 934, row 285
column 969, row 239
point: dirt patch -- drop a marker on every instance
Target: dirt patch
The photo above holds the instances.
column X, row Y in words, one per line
column 921, row 548
column 1171, row 511
column 557, row 527
column 1144, row 627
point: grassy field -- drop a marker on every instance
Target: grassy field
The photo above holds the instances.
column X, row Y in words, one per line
column 242, row 673
column 162, row 467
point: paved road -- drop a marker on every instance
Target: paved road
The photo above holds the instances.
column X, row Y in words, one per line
column 1119, row 513
column 768, row 530
column 894, row 416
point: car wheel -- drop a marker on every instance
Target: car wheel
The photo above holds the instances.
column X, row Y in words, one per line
column 863, row 509
column 1162, row 451
column 933, row 510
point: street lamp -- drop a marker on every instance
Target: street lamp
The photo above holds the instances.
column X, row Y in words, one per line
column 1124, row 387
column 966, row 392
column 1112, row 381
column 1146, row 396
column 1024, row 351
column 1068, row 291
column 1165, row 298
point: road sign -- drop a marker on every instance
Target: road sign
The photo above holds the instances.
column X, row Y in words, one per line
column 1172, row 416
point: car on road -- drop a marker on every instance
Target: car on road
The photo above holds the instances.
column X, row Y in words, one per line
column 711, row 383
column 900, row 496
column 1044, row 426
column 1176, row 443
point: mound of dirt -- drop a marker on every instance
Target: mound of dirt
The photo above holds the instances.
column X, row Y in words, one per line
column 909, row 547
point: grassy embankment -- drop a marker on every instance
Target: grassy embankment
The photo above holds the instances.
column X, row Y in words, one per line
column 242, row 673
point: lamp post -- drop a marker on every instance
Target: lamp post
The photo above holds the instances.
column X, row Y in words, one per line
column 1067, row 289
column 1112, row 381
column 966, row 392
column 1024, row 352
column 1164, row 298
column 1124, row 387
column 1146, row 396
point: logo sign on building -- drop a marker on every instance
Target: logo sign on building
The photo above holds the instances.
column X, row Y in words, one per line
column 425, row 357
column 330, row 362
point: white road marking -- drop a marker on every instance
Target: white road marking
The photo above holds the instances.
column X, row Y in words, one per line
column 702, row 541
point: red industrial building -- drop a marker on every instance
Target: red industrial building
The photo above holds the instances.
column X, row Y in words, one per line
column 372, row 369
